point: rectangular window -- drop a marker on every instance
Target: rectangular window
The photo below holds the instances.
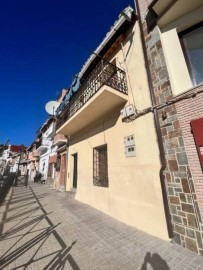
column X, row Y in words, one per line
column 193, row 50
column 100, row 166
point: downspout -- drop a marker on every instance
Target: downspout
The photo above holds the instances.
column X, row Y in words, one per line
column 157, row 126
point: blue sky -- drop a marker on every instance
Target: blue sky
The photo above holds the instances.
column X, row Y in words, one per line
column 43, row 44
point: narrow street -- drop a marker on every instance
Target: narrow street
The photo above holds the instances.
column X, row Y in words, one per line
column 45, row 229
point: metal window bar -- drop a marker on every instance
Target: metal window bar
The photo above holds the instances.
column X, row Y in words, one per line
column 100, row 166
column 104, row 73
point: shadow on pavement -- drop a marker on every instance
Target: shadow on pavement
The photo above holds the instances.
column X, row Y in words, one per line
column 155, row 262
column 23, row 229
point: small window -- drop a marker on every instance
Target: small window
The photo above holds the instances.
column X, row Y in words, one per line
column 192, row 42
column 100, row 166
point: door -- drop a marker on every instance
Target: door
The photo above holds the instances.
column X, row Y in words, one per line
column 75, row 170
column 62, row 170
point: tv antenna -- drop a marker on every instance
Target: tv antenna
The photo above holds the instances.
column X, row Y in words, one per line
column 51, row 107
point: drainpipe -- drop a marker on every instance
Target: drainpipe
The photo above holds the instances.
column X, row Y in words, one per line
column 157, row 126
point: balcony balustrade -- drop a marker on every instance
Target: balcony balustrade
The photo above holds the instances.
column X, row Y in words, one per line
column 104, row 77
column 44, row 145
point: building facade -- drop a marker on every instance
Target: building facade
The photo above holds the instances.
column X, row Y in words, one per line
column 113, row 156
column 44, row 146
column 172, row 34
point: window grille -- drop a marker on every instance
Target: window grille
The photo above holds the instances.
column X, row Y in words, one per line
column 100, row 166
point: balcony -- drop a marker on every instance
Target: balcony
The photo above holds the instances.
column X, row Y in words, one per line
column 168, row 10
column 101, row 93
column 59, row 140
column 50, row 131
column 44, row 145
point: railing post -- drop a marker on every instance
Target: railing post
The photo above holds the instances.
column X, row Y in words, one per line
column 102, row 72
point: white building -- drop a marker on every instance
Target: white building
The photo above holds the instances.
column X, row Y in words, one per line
column 45, row 146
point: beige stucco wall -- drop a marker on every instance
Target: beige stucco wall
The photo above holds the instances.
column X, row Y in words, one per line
column 131, row 60
column 134, row 193
column 175, row 60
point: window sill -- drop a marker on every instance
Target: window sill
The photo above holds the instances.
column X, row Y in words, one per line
column 195, row 88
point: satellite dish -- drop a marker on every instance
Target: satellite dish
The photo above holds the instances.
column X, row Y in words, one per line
column 51, row 107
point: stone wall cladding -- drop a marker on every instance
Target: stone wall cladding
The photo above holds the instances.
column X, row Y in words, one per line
column 184, row 208
column 144, row 6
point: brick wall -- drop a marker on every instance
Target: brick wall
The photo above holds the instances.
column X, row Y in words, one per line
column 190, row 109
column 182, row 199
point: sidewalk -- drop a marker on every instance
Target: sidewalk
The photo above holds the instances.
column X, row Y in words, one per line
column 45, row 229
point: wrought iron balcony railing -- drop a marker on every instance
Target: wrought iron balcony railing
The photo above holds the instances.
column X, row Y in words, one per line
column 104, row 73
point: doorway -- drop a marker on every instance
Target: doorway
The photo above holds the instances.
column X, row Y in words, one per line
column 75, row 170
column 62, row 170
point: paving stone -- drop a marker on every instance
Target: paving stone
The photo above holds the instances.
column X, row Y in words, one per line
column 44, row 229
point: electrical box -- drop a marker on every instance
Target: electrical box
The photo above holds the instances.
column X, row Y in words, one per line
column 130, row 151
column 130, row 110
column 129, row 140
column 123, row 113
column 129, row 144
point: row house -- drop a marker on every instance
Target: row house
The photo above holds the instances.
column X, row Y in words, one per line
column 46, row 153
column 112, row 155
column 12, row 155
column 57, row 160
column 43, row 146
column 172, row 41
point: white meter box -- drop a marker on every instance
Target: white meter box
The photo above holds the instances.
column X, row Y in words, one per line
column 130, row 151
column 130, row 110
column 129, row 143
column 129, row 140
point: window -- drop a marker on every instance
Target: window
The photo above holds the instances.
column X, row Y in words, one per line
column 192, row 42
column 100, row 166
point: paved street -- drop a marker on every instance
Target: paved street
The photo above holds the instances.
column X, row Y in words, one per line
column 46, row 229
